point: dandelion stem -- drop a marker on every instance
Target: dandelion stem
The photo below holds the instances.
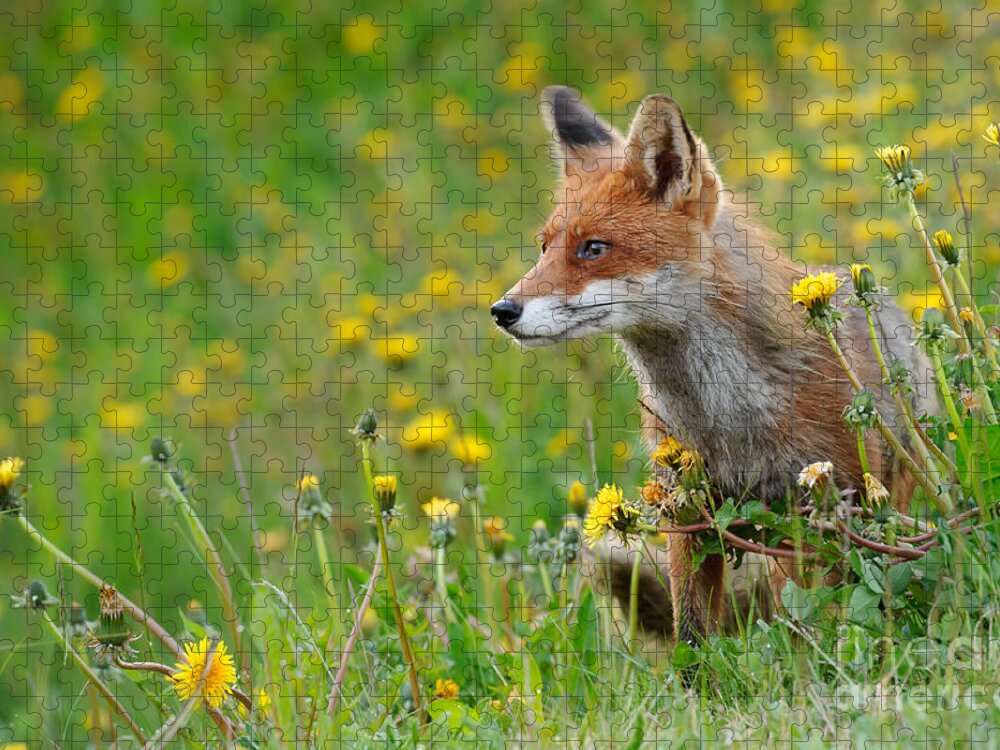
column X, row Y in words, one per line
column 949, row 399
column 543, row 573
column 949, row 304
column 135, row 611
column 904, row 405
column 862, row 453
column 345, row 656
column 633, row 601
column 324, row 562
column 102, row 688
column 938, row 495
column 390, row 580
column 210, row 554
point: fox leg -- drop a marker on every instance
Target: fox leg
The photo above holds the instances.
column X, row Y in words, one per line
column 698, row 596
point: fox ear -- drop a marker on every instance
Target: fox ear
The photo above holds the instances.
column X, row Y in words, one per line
column 671, row 162
column 582, row 138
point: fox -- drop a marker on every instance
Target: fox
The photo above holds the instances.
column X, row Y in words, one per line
column 645, row 244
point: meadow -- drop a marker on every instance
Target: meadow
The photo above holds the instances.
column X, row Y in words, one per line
column 228, row 233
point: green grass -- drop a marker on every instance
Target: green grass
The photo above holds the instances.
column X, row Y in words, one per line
column 175, row 265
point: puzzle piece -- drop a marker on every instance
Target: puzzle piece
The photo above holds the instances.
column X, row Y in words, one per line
column 616, row 483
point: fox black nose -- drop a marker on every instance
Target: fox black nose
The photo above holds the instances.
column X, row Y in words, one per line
column 506, row 312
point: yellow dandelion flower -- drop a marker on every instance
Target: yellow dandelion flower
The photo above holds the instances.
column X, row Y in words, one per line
column 219, row 680
column 946, row 246
column 992, row 134
column 875, row 491
column 470, row 450
column 687, row 461
column 308, row 482
column 894, row 158
column 668, row 451
column 384, row 489
column 385, row 485
column 428, row 429
column 440, row 508
column 446, row 690
column 608, row 511
column 967, row 316
column 10, row 470
column 578, row 498
column 815, row 289
column 494, row 528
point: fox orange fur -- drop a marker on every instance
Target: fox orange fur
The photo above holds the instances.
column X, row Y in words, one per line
column 646, row 244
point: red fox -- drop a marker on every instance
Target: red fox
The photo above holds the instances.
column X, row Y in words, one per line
column 644, row 243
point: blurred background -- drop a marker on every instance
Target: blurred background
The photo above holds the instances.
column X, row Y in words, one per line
column 268, row 219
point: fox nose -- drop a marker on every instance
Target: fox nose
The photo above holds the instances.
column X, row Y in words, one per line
column 506, row 312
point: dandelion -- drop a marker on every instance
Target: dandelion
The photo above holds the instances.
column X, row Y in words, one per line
column 446, row 690
column 427, row 430
column 992, row 134
column 667, row 451
column 902, row 178
column 112, row 639
column 367, row 426
column 946, row 246
column 966, row 316
column 385, row 491
column 442, row 513
column 218, row 680
column 312, row 506
column 494, row 528
column 653, row 492
column 10, row 470
column 688, row 461
column 608, row 511
column 864, row 282
column 815, row 290
column 577, row 498
column 440, row 508
column 815, row 473
column 875, row 491
column 263, row 703
column 35, row 597
column 470, row 450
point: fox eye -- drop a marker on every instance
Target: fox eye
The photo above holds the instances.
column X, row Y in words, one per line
column 544, row 248
column 592, row 249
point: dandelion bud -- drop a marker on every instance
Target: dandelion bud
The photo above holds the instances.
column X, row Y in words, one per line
column 112, row 638
column 578, row 498
column 385, row 491
column 160, row 450
column 992, row 134
column 38, row 596
column 367, row 425
column 932, row 330
column 965, row 369
column 860, row 413
column 540, row 531
column 902, row 179
column 496, row 536
column 875, row 491
column 946, row 246
column 865, row 283
column 311, row 504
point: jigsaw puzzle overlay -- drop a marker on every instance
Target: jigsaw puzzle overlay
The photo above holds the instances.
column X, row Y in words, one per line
column 536, row 375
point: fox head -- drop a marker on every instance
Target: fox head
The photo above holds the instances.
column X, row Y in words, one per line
column 631, row 232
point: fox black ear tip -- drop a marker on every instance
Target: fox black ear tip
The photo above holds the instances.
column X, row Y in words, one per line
column 553, row 94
